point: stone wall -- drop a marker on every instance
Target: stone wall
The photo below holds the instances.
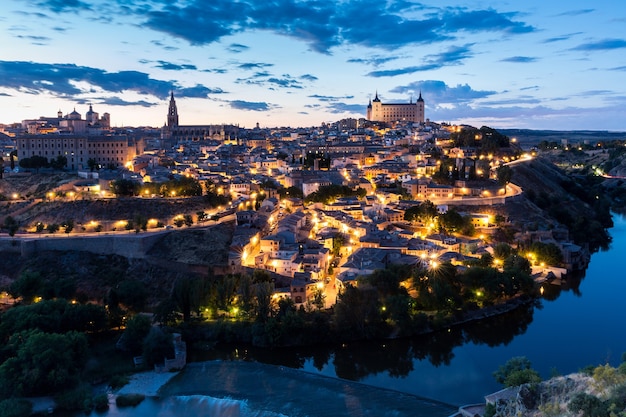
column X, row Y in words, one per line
column 132, row 245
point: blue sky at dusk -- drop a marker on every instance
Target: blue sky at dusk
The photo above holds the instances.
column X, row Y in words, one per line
column 532, row 64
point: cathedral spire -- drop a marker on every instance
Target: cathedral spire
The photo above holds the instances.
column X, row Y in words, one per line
column 172, row 113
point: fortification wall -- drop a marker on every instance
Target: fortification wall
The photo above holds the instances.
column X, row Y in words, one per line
column 128, row 245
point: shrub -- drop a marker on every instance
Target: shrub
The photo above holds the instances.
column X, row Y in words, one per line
column 101, row 402
column 118, row 381
column 15, row 408
column 129, row 400
column 78, row 398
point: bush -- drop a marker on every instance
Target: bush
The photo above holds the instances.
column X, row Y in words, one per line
column 118, row 381
column 15, row 408
column 101, row 402
column 78, row 398
column 129, row 400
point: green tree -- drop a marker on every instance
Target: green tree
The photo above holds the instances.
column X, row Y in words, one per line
column 68, row 226
column 124, row 187
column 11, row 225
column 137, row 328
column 157, row 347
column 504, row 174
column 92, row 164
column 132, row 294
column 42, row 363
column 16, row 407
column 516, row 371
column 358, row 313
column 264, row 303
column 59, row 162
column 27, row 286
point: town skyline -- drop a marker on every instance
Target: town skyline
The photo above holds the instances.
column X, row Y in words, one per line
column 533, row 66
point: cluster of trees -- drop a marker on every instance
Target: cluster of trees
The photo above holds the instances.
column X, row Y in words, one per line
column 451, row 221
column 46, row 339
column 486, row 139
column 36, row 162
column 176, row 187
column 329, row 193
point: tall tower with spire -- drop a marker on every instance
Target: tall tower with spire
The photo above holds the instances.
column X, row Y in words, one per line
column 172, row 113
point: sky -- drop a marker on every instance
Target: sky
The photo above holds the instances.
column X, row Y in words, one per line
column 503, row 64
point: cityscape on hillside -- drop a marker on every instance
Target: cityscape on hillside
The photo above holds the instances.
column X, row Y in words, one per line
column 319, row 207
column 311, row 221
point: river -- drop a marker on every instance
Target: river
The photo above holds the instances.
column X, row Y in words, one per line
column 576, row 324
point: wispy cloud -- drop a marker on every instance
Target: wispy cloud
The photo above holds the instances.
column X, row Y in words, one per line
column 578, row 12
column 237, row 48
column 438, row 92
column 520, row 59
column 602, row 45
column 453, row 56
column 249, row 105
column 59, row 6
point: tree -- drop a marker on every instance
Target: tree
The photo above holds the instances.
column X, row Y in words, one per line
column 34, row 162
column 124, row 187
column 137, row 328
column 132, row 294
column 357, row 313
column 504, row 174
column 516, row 371
column 26, row 286
column 68, row 226
column 11, row 225
column 42, row 363
column 13, row 156
column 157, row 347
column 92, row 164
column 59, row 162
column 264, row 303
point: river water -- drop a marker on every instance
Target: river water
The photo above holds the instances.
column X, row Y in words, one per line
column 576, row 324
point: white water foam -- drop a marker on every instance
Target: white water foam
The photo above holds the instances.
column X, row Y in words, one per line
column 206, row 406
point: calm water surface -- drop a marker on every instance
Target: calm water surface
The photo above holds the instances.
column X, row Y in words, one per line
column 581, row 323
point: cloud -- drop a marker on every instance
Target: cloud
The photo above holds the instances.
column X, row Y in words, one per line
column 322, row 24
column 68, row 80
column 438, row 92
column 162, row 45
column 237, row 48
column 374, row 61
column 564, row 37
column 519, row 59
column 576, row 12
column 453, row 56
column 330, row 98
column 266, row 79
column 308, row 77
column 175, row 67
column 36, row 40
column 117, row 101
column 336, row 108
column 249, row 105
column 602, row 45
column 59, row 6
column 254, row 65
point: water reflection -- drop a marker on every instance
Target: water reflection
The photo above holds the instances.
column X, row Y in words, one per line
column 356, row 361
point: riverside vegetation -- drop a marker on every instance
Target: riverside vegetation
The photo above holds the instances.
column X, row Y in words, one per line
column 60, row 338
